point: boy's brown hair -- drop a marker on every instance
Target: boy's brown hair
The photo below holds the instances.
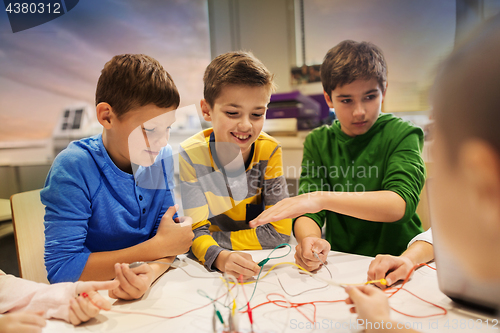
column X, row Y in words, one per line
column 129, row 81
column 235, row 68
column 349, row 61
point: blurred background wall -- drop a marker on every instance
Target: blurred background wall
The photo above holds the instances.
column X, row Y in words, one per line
column 46, row 69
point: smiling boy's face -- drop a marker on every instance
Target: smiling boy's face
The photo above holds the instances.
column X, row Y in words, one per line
column 357, row 105
column 238, row 115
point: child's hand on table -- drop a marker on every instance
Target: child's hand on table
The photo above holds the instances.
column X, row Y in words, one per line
column 133, row 281
column 304, row 255
column 389, row 267
column 236, row 264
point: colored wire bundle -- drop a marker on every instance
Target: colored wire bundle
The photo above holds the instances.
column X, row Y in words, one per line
column 330, row 282
column 284, row 303
column 393, row 290
column 275, row 298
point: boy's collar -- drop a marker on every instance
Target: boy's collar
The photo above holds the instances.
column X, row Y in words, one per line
column 216, row 158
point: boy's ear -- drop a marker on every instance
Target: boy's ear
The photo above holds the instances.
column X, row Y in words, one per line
column 480, row 163
column 328, row 100
column 105, row 115
column 205, row 110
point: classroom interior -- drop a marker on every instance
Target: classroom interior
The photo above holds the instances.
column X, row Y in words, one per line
column 48, row 73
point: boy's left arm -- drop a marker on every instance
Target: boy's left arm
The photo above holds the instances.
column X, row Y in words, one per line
column 270, row 235
column 396, row 201
column 402, row 182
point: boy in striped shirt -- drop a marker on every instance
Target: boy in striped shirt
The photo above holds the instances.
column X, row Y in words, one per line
column 232, row 172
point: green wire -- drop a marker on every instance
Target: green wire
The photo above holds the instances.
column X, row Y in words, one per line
column 204, row 294
column 262, row 263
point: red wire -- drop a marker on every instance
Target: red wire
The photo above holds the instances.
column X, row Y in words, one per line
column 290, row 305
column 428, row 316
column 394, row 290
column 249, row 309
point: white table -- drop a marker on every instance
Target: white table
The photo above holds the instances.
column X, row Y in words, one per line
column 176, row 292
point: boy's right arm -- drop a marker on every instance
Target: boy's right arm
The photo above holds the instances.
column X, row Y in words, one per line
column 307, row 228
column 170, row 240
column 308, row 235
column 71, row 184
column 237, row 264
column 211, row 255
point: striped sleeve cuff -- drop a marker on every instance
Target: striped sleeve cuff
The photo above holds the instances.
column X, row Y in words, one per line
column 210, row 256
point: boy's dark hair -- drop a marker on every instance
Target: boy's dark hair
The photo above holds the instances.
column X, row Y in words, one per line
column 235, row 68
column 349, row 61
column 466, row 98
column 129, row 81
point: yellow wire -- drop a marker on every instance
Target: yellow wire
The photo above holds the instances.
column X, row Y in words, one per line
column 226, row 282
column 381, row 281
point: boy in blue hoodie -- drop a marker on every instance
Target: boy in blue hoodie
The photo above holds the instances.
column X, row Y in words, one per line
column 108, row 197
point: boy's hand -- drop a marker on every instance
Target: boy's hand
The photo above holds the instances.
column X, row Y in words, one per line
column 133, row 281
column 304, row 255
column 174, row 238
column 370, row 303
column 290, row 208
column 236, row 264
column 22, row 322
column 397, row 267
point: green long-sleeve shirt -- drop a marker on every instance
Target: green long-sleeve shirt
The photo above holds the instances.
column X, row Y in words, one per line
column 387, row 157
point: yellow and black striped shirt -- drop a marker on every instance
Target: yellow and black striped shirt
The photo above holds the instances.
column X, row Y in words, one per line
column 222, row 203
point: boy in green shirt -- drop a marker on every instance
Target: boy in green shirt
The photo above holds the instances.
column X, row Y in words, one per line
column 363, row 174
